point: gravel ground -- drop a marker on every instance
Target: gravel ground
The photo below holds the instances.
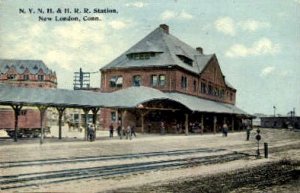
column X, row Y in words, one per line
column 282, row 143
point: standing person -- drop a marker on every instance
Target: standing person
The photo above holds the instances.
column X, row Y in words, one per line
column 123, row 132
column 92, row 132
column 162, row 128
column 89, row 133
column 133, row 131
column 248, row 131
column 225, row 129
column 128, row 132
column 111, row 130
column 119, row 129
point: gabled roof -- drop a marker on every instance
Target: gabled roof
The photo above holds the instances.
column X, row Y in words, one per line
column 34, row 66
column 167, row 47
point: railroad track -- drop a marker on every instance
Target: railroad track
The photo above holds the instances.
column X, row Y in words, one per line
column 50, row 177
column 106, row 157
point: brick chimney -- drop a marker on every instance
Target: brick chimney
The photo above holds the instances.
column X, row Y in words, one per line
column 165, row 28
column 200, row 50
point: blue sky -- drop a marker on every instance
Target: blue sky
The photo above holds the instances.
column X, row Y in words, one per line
column 257, row 42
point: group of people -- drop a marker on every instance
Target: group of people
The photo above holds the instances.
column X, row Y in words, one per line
column 248, row 131
column 122, row 132
column 129, row 131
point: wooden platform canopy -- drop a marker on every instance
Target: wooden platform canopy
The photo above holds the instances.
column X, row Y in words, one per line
column 129, row 98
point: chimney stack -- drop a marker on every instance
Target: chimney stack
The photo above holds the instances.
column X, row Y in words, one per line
column 165, row 28
column 200, row 50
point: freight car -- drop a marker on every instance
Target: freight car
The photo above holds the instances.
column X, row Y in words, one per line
column 28, row 124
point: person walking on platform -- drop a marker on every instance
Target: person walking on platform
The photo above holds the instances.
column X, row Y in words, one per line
column 225, row 129
column 133, row 131
column 111, row 130
column 248, row 131
column 128, row 132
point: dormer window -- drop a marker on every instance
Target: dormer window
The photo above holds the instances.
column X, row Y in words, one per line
column 7, row 67
column 141, row 55
column 11, row 76
column 185, row 59
column 35, row 67
column 21, row 67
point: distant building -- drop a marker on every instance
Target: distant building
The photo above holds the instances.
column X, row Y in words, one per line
column 27, row 73
column 24, row 73
column 281, row 122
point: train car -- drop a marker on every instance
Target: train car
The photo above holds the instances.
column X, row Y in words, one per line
column 28, row 123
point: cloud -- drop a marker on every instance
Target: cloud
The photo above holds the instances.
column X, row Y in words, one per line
column 272, row 71
column 267, row 71
column 183, row 15
column 253, row 25
column 225, row 25
column 229, row 26
column 297, row 1
column 166, row 15
column 117, row 24
column 65, row 47
column 137, row 4
column 263, row 46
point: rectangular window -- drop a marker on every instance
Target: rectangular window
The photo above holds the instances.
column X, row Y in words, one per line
column 76, row 118
column 154, row 80
column 184, row 82
column 162, row 80
column 136, row 80
column 119, row 81
column 222, row 93
column 203, row 88
column 195, row 85
column 113, row 116
column 40, row 77
column 231, row 96
column 116, row 81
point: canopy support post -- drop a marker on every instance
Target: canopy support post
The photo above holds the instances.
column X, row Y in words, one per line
column 215, row 124
column 42, row 115
column 186, row 124
column 232, row 123
column 95, row 111
column 60, row 114
column 86, row 112
column 17, row 110
column 202, row 123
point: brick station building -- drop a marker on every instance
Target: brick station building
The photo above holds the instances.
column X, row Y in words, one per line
column 162, row 61
column 24, row 73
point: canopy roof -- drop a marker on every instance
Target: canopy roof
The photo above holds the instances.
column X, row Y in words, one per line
column 126, row 98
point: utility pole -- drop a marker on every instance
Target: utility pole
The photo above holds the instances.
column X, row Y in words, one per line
column 274, row 107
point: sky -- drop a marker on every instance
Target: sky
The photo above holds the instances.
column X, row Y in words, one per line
column 257, row 42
